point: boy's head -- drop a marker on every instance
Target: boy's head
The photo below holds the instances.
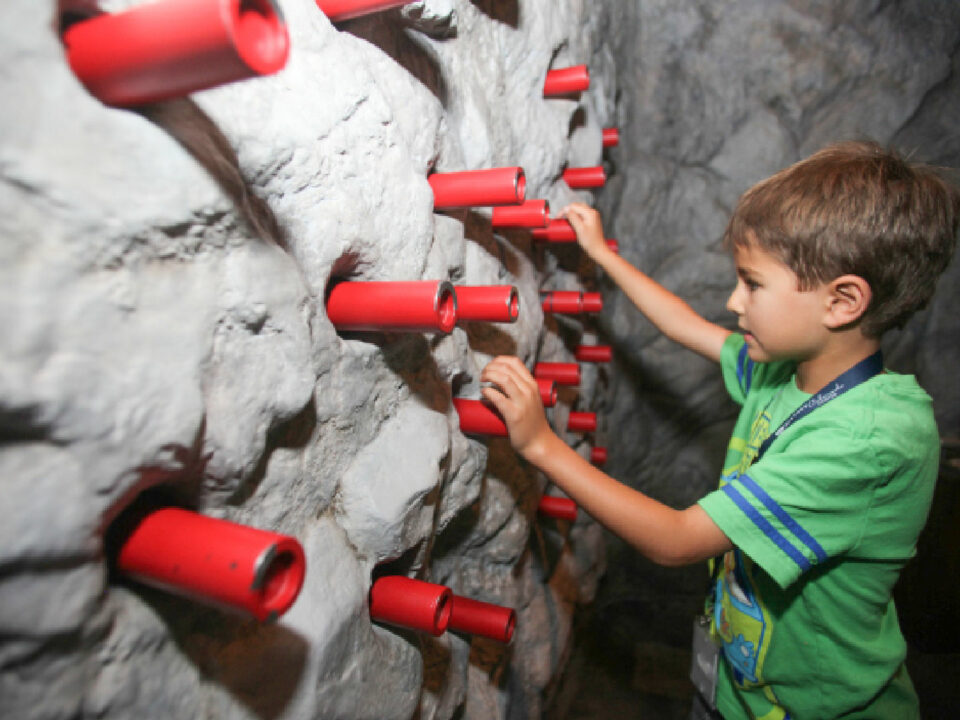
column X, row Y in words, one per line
column 856, row 209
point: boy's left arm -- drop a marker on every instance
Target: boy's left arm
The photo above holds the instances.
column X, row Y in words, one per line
column 665, row 535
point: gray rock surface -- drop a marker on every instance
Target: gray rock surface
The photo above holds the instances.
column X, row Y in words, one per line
column 162, row 281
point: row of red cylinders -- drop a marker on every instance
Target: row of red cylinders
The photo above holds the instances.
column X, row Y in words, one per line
column 434, row 609
column 571, row 302
column 478, row 418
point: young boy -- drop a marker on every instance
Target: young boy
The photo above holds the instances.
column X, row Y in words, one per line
column 830, row 471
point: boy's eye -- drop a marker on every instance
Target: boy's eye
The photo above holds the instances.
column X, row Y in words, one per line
column 752, row 284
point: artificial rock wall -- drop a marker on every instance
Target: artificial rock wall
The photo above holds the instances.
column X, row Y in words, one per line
column 162, row 287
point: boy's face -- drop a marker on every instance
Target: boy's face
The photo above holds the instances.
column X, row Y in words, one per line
column 779, row 321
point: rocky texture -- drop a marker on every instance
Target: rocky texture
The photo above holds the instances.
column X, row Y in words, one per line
column 714, row 97
column 162, row 282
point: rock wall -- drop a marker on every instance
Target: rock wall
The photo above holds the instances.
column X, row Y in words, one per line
column 716, row 96
column 162, row 288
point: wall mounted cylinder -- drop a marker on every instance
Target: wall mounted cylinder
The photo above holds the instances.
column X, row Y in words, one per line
column 582, row 422
column 598, row 456
column 613, row 245
column 559, row 508
column 413, row 604
column 475, row 188
column 593, row 353
column 531, row 214
column 557, row 231
column 611, row 137
column 548, row 391
column 214, row 561
column 567, row 302
column 338, row 10
column 583, row 178
column 592, row 302
column 478, row 418
column 167, row 49
column 561, row 373
column 414, row 306
column 484, row 619
column 566, row 81
column 488, row 303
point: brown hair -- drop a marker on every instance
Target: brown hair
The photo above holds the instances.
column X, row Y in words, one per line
column 856, row 208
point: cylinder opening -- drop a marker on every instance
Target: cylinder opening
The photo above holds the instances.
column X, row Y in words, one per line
column 510, row 626
column 282, row 580
column 446, row 305
column 260, row 35
column 521, row 185
column 513, row 305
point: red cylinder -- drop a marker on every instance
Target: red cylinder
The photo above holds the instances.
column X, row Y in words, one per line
column 566, row 81
column 472, row 188
column 161, row 50
column 478, row 418
column 214, row 561
column 594, row 353
column 548, row 392
column 409, row 603
column 488, row 303
column 568, row 302
column 560, row 373
column 532, row 214
column 611, row 137
column 592, row 302
column 582, row 422
column 613, row 245
column 484, row 619
column 581, row 178
column 557, row 231
column 559, row 508
column 338, row 10
column 598, row 455
column 416, row 306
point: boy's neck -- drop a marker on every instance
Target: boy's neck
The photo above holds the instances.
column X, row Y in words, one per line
column 833, row 361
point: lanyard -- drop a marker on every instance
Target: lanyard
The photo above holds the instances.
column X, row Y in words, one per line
column 859, row 373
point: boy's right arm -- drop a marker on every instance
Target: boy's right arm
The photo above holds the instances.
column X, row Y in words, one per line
column 671, row 315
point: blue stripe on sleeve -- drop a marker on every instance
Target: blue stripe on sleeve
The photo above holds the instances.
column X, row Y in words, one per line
column 784, row 517
column 769, row 530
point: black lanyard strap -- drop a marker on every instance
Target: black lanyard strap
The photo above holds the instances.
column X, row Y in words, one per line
column 859, row 373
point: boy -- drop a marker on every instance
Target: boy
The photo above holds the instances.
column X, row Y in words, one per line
column 830, row 471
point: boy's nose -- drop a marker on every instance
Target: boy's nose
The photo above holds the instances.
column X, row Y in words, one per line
column 734, row 303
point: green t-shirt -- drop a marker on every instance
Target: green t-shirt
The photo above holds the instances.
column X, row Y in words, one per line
column 821, row 527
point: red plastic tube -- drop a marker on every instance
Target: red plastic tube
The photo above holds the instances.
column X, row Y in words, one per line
column 484, row 619
column 414, row 604
column 416, row 306
column 567, row 302
column 582, row 422
column 557, row 231
column 592, row 302
column 613, row 245
column 559, row 508
column 598, row 456
column 594, row 353
column 488, row 303
column 214, row 561
column 566, row 81
column 611, row 137
column 560, row 373
column 338, row 10
column 478, row 418
column 581, row 178
column 548, row 392
column 167, row 49
column 532, row 214
column 472, row 188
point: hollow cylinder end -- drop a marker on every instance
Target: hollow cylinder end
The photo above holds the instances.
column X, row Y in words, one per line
column 279, row 577
column 444, row 609
column 445, row 304
column 260, row 35
column 513, row 305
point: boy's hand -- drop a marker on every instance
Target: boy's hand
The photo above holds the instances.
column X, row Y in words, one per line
column 588, row 226
column 517, row 399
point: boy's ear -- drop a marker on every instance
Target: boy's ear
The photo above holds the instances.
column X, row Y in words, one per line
column 848, row 297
